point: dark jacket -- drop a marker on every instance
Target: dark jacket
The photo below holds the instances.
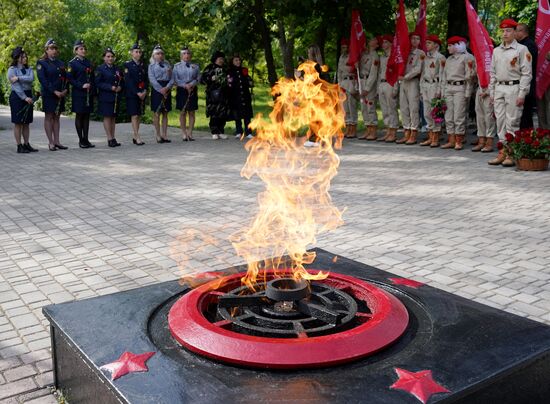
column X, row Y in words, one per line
column 52, row 76
column 534, row 51
column 135, row 78
column 105, row 78
column 240, row 98
column 217, row 91
column 80, row 73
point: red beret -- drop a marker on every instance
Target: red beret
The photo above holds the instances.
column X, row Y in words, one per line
column 344, row 42
column 508, row 23
column 415, row 33
column 386, row 37
column 455, row 39
column 433, row 38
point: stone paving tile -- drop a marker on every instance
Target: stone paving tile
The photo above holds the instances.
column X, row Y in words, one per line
column 104, row 221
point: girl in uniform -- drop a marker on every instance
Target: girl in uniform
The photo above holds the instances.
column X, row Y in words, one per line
column 160, row 77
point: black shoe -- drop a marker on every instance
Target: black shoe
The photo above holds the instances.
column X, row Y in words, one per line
column 115, row 142
column 111, row 143
column 22, row 149
column 29, row 148
column 52, row 148
column 160, row 140
column 134, row 141
column 191, row 139
column 185, row 139
column 61, row 147
column 83, row 145
column 90, row 145
column 166, row 141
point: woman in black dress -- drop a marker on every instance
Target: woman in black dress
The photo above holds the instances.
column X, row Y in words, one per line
column 240, row 98
column 217, row 95
column 20, row 76
column 108, row 80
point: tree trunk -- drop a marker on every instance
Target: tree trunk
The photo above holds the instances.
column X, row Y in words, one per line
column 287, row 47
column 456, row 18
column 259, row 13
column 321, row 38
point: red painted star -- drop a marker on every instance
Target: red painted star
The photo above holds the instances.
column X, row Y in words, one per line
column 420, row 384
column 128, row 363
column 406, row 282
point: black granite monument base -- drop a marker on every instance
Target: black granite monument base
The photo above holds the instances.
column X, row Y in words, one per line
column 478, row 353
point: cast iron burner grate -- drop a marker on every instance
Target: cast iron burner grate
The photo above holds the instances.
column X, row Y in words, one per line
column 284, row 308
column 286, row 324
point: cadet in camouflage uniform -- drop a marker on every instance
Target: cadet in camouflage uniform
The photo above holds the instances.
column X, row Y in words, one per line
column 347, row 79
column 409, row 96
column 510, row 82
column 430, row 86
column 387, row 94
column 368, row 76
column 456, row 89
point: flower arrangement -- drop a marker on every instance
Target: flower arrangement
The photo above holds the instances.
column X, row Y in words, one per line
column 439, row 106
column 219, row 77
column 88, row 81
column 528, row 143
column 118, row 79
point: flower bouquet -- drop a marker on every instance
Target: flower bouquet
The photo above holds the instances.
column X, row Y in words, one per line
column 528, row 147
column 439, row 106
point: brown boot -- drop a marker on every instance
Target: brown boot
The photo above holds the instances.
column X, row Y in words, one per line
column 488, row 148
column 508, row 161
column 406, row 136
column 498, row 159
column 352, row 131
column 386, row 134
column 392, row 135
column 435, row 139
column 412, row 137
column 372, row 133
column 450, row 143
column 364, row 134
column 476, row 141
column 346, row 133
column 459, row 142
column 428, row 140
column 480, row 144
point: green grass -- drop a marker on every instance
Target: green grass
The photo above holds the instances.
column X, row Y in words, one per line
column 261, row 103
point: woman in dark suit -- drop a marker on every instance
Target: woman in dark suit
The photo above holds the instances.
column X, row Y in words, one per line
column 135, row 87
column 80, row 76
column 217, row 102
column 240, row 98
column 53, row 85
column 108, row 80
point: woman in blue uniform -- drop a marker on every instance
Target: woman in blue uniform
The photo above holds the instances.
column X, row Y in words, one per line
column 186, row 77
column 80, row 74
column 53, row 85
column 135, row 87
column 20, row 76
column 160, row 77
column 108, row 80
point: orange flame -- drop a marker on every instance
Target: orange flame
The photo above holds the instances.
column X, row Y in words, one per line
column 295, row 206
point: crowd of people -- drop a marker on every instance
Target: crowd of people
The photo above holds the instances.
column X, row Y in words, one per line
column 228, row 93
column 439, row 89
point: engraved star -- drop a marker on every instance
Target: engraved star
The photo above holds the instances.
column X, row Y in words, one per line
column 128, row 362
column 406, row 282
column 420, row 384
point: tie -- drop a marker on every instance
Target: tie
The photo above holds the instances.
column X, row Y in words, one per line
column 187, row 65
column 161, row 64
column 24, row 71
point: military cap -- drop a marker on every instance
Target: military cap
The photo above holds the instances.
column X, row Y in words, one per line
column 508, row 23
column 433, row 38
column 158, row 48
column 78, row 43
column 386, row 37
column 414, row 33
column 17, row 52
column 50, row 43
column 344, row 42
column 185, row 48
column 108, row 49
column 455, row 39
column 135, row 46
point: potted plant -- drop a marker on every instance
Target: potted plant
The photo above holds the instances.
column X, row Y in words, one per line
column 529, row 148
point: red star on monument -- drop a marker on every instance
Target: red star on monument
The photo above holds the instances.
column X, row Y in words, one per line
column 406, row 282
column 128, row 363
column 420, row 384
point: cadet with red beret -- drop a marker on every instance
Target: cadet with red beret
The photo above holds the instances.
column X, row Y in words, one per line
column 368, row 75
column 347, row 80
column 387, row 94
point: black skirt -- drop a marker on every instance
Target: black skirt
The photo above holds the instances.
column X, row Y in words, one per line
column 134, row 106
column 182, row 97
column 158, row 102
column 53, row 104
column 21, row 111
column 82, row 105
column 108, row 109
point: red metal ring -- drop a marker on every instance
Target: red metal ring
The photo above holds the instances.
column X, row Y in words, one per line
column 387, row 323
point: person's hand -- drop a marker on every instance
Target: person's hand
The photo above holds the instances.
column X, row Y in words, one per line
column 113, row 89
column 64, row 93
column 142, row 95
column 29, row 100
column 86, row 86
column 401, row 78
column 164, row 91
column 118, row 89
column 58, row 94
column 14, row 79
column 520, row 101
column 483, row 94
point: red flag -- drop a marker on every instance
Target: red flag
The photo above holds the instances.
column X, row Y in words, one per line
column 400, row 48
column 357, row 39
column 542, row 38
column 421, row 26
column 481, row 45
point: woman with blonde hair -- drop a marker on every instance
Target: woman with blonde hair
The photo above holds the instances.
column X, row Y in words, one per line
column 160, row 77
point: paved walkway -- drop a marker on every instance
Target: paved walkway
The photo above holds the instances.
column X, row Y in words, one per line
column 82, row 223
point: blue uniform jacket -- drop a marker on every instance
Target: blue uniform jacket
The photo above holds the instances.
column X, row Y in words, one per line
column 105, row 78
column 80, row 72
column 52, row 76
column 135, row 78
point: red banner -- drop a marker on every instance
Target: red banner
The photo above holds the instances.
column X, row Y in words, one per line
column 357, row 39
column 400, row 49
column 481, row 45
column 542, row 38
column 421, row 25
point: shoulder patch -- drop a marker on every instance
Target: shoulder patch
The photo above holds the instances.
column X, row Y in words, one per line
column 69, row 69
column 528, row 56
column 422, row 57
column 470, row 64
column 38, row 66
column 443, row 62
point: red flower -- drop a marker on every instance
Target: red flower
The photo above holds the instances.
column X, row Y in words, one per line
column 528, row 140
column 141, row 85
column 536, row 144
column 245, row 71
column 509, row 137
column 88, row 70
column 517, row 139
column 517, row 132
column 500, row 145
